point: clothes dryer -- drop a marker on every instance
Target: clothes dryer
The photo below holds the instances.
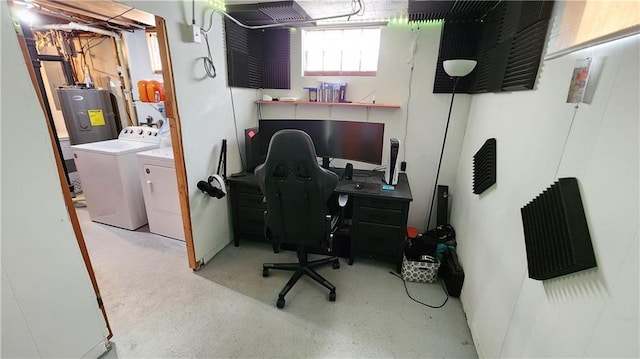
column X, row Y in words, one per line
column 160, row 189
column 109, row 175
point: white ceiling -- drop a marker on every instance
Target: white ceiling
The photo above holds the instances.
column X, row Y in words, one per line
column 373, row 9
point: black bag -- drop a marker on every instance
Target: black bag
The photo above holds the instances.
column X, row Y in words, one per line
column 420, row 246
column 451, row 272
column 444, row 234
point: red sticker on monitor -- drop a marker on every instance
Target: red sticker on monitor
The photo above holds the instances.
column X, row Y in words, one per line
column 251, row 134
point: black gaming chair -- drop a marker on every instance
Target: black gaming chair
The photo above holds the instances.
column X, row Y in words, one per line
column 296, row 189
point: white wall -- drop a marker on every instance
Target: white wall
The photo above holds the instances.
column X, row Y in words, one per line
column 49, row 308
column 593, row 313
column 425, row 125
column 206, row 116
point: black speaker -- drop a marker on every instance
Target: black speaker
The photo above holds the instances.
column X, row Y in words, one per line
column 442, row 205
column 348, row 172
column 252, row 149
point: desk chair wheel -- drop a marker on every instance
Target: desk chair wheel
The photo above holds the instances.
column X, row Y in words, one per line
column 265, row 272
column 332, row 296
column 336, row 264
column 280, row 303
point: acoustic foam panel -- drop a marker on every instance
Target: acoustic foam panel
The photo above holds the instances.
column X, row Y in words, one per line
column 556, row 233
column 484, row 166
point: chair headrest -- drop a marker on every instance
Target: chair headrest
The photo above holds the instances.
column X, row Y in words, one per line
column 292, row 146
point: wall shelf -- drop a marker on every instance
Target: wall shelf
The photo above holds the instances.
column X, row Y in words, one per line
column 340, row 104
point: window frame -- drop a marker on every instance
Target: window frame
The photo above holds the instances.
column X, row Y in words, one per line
column 313, row 73
column 153, row 47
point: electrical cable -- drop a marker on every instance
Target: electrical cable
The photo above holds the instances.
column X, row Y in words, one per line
column 414, row 46
column 490, row 10
column 69, row 17
column 370, row 93
column 225, row 14
column 564, row 146
column 235, row 126
column 94, row 45
column 193, row 12
column 209, row 67
column 111, row 18
column 444, row 289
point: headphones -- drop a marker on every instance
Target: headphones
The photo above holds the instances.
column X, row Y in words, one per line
column 208, row 188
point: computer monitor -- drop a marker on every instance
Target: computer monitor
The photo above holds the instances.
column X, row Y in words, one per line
column 349, row 140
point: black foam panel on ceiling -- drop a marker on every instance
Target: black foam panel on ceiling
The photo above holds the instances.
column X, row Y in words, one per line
column 462, row 10
column 428, row 10
column 284, row 11
column 484, row 166
column 556, row 233
column 267, row 13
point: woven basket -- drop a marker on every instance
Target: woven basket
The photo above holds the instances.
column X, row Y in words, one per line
column 422, row 272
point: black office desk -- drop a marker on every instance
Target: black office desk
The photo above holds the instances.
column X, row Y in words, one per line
column 376, row 219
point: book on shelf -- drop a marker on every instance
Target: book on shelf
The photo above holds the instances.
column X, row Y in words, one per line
column 328, row 92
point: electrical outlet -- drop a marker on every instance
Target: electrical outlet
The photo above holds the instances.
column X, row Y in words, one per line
column 196, row 36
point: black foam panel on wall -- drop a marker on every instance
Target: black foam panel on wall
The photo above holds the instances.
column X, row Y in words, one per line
column 556, row 233
column 484, row 166
column 458, row 41
column 258, row 58
column 507, row 43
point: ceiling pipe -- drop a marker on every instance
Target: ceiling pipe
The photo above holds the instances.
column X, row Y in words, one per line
column 123, row 71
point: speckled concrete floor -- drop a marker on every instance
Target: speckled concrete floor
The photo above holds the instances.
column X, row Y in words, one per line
column 158, row 307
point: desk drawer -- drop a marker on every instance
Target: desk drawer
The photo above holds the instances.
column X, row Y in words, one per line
column 238, row 187
column 251, row 220
column 380, row 216
column 381, row 203
column 378, row 239
column 250, row 200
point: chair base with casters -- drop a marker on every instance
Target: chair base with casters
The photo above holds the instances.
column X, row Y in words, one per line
column 304, row 266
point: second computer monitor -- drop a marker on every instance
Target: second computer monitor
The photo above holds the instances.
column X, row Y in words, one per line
column 349, row 140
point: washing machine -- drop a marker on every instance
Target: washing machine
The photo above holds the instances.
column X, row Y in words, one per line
column 109, row 174
column 160, row 189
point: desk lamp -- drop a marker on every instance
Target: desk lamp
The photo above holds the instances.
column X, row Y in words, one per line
column 456, row 69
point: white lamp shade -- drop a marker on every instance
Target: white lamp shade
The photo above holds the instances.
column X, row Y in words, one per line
column 459, row 68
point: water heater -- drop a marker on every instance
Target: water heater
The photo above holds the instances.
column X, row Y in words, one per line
column 88, row 114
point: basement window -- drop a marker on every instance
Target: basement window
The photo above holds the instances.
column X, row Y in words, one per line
column 154, row 52
column 340, row 52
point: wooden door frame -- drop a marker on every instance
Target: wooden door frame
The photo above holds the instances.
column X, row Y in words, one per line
column 171, row 111
column 171, row 108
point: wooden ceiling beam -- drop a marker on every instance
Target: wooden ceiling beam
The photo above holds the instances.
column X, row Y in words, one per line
column 97, row 17
column 111, row 8
column 100, row 11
